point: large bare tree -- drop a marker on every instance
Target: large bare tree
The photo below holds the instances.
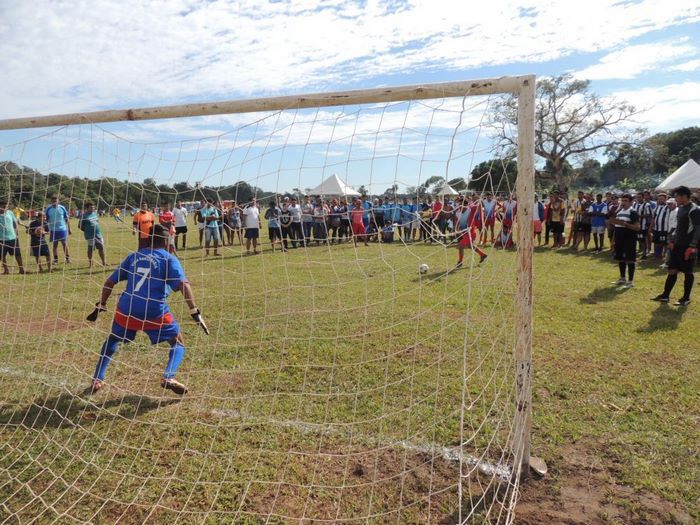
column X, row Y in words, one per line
column 571, row 124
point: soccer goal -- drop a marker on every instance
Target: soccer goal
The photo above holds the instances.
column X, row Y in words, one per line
column 357, row 369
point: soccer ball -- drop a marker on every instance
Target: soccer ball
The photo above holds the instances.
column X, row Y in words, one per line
column 423, row 268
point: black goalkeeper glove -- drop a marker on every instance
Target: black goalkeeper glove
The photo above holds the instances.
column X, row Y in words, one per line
column 197, row 318
column 99, row 308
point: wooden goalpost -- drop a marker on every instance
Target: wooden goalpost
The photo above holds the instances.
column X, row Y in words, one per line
column 521, row 86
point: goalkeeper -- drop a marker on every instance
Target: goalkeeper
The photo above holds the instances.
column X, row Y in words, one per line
column 150, row 274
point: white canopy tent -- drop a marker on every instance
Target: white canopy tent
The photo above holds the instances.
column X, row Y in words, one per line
column 687, row 175
column 333, row 186
column 447, row 190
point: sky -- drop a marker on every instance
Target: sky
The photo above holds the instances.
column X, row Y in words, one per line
column 80, row 56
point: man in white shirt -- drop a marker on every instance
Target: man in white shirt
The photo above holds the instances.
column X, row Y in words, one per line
column 296, row 232
column 180, row 214
column 251, row 223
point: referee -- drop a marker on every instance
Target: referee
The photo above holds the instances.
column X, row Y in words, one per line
column 682, row 247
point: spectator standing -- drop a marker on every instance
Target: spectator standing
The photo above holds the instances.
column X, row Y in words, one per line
column 537, row 220
column 59, row 227
column 251, row 221
column 297, row 233
column 598, row 212
column 234, row 224
column 89, row 223
column 320, row 213
column 211, row 217
column 9, row 245
column 613, row 207
column 489, row 207
column 556, row 218
column 166, row 218
column 358, row 225
column 307, row 218
column 180, row 214
column 142, row 223
column 199, row 221
column 37, row 241
column 274, row 229
column 659, row 226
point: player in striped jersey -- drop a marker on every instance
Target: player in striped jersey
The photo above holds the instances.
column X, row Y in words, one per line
column 644, row 209
column 659, row 226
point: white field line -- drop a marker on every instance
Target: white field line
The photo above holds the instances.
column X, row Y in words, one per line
column 452, row 454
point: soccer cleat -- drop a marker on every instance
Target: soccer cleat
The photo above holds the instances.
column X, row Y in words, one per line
column 459, row 264
column 175, row 386
column 661, row 298
column 682, row 302
column 628, row 285
column 664, row 266
column 619, row 282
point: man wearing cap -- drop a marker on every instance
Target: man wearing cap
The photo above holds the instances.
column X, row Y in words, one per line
column 683, row 247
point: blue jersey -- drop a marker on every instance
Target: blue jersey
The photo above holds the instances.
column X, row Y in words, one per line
column 598, row 221
column 367, row 206
column 408, row 212
column 150, row 275
column 57, row 217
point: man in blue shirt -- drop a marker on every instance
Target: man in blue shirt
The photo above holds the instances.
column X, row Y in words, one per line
column 408, row 212
column 150, row 274
column 89, row 224
column 59, row 227
column 8, row 238
column 599, row 214
column 211, row 229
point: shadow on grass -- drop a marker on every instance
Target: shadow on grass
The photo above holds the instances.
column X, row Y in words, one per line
column 603, row 294
column 665, row 318
column 67, row 410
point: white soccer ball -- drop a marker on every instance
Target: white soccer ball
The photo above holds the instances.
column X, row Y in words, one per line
column 423, row 268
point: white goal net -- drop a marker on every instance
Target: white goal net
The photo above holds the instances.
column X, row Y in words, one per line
column 358, row 376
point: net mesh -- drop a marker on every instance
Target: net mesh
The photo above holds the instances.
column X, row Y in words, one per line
column 338, row 384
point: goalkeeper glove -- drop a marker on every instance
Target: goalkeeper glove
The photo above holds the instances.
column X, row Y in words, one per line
column 99, row 308
column 690, row 252
column 197, row 317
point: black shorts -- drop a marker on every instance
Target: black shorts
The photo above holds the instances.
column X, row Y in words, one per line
column 9, row 248
column 557, row 227
column 180, row 229
column 677, row 261
column 252, row 233
column 625, row 248
column 40, row 250
column 643, row 235
column 583, row 227
column 660, row 237
column 274, row 233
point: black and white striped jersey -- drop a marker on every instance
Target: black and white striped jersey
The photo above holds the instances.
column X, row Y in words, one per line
column 662, row 214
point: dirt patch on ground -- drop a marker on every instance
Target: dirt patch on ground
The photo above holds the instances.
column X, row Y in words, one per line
column 42, row 327
column 579, row 490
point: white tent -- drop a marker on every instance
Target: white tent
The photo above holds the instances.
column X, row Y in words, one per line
column 334, row 186
column 687, row 175
column 447, row 190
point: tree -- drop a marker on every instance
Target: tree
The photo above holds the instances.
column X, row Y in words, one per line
column 571, row 123
column 362, row 190
column 495, row 176
column 436, row 181
column 458, row 184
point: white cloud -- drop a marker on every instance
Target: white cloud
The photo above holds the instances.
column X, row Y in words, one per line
column 78, row 56
column 632, row 61
column 669, row 107
column 691, row 65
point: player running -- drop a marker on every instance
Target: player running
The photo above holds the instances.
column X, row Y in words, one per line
column 150, row 274
column 466, row 232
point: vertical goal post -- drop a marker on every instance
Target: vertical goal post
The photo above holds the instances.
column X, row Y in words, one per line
column 522, row 87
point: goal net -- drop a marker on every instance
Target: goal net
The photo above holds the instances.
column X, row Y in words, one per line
column 360, row 376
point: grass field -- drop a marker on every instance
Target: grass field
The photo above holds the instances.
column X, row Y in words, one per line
column 330, row 390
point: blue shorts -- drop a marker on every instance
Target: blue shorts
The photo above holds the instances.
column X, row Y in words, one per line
column 58, row 235
column 165, row 332
column 40, row 249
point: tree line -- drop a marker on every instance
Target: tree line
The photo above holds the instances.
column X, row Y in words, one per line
column 31, row 189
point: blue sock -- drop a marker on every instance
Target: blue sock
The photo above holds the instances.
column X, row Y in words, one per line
column 108, row 349
column 177, row 352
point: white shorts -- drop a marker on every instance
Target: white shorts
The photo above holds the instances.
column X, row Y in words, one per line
column 200, row 225
column 598, row 230
column 95, row 243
